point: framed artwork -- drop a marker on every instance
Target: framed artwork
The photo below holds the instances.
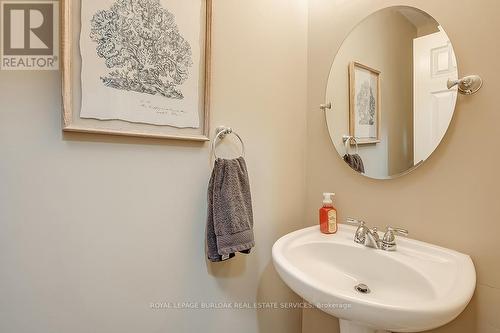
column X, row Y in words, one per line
column 365, row 103
column 137, row 67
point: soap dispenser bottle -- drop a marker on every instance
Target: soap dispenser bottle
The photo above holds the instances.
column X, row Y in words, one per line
column 328, row 215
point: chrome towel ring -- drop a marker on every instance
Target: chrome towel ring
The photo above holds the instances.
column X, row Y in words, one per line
column 349, row 140
column 222, row 132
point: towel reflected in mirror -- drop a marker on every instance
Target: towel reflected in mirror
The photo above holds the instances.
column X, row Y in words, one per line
column 355, row 162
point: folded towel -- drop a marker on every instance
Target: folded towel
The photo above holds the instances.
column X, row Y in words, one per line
column 230, row 216
column 355, row 162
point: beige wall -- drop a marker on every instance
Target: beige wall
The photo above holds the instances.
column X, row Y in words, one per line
column 427, row 29
column 384, row 41
column 94, row 228
column 452, row 200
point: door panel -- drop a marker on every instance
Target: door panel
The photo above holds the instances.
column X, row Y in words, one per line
column 435, row 63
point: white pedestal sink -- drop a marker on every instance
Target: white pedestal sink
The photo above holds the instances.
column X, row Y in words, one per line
column 417, row 288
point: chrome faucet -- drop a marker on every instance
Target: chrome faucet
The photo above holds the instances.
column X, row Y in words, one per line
column 370, row 237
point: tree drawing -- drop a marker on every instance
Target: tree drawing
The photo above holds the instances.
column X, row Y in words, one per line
column 366, row 104
column 142, row 47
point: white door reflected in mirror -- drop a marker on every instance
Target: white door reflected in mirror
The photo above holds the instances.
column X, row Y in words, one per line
column 400, row 109
column 435, row 64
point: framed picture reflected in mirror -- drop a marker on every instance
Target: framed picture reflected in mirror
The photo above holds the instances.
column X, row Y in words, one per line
column 365, row 103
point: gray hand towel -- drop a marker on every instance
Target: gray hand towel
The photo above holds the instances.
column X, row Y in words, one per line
column 355, row 162
column 230, row 216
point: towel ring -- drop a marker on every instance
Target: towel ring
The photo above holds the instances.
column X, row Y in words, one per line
column 222, row 132
column 348, row 140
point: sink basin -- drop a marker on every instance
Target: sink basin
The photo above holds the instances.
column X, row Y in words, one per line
column 417, row 288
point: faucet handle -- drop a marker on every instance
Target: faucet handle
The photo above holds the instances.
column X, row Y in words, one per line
column 360, row 234
column 389, row 240
column 357, row 223
column 398, row 231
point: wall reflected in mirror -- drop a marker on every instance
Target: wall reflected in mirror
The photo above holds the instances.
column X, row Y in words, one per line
column 388, row 89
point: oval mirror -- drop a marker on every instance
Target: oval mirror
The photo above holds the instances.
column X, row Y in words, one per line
column 390, row 105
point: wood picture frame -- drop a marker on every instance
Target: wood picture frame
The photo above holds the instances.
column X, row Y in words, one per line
column 365, row 105
column 71, row 65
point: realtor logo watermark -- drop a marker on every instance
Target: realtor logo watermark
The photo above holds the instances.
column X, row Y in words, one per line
column 29, row 35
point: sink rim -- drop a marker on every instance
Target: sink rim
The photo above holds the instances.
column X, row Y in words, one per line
column 448, row 305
